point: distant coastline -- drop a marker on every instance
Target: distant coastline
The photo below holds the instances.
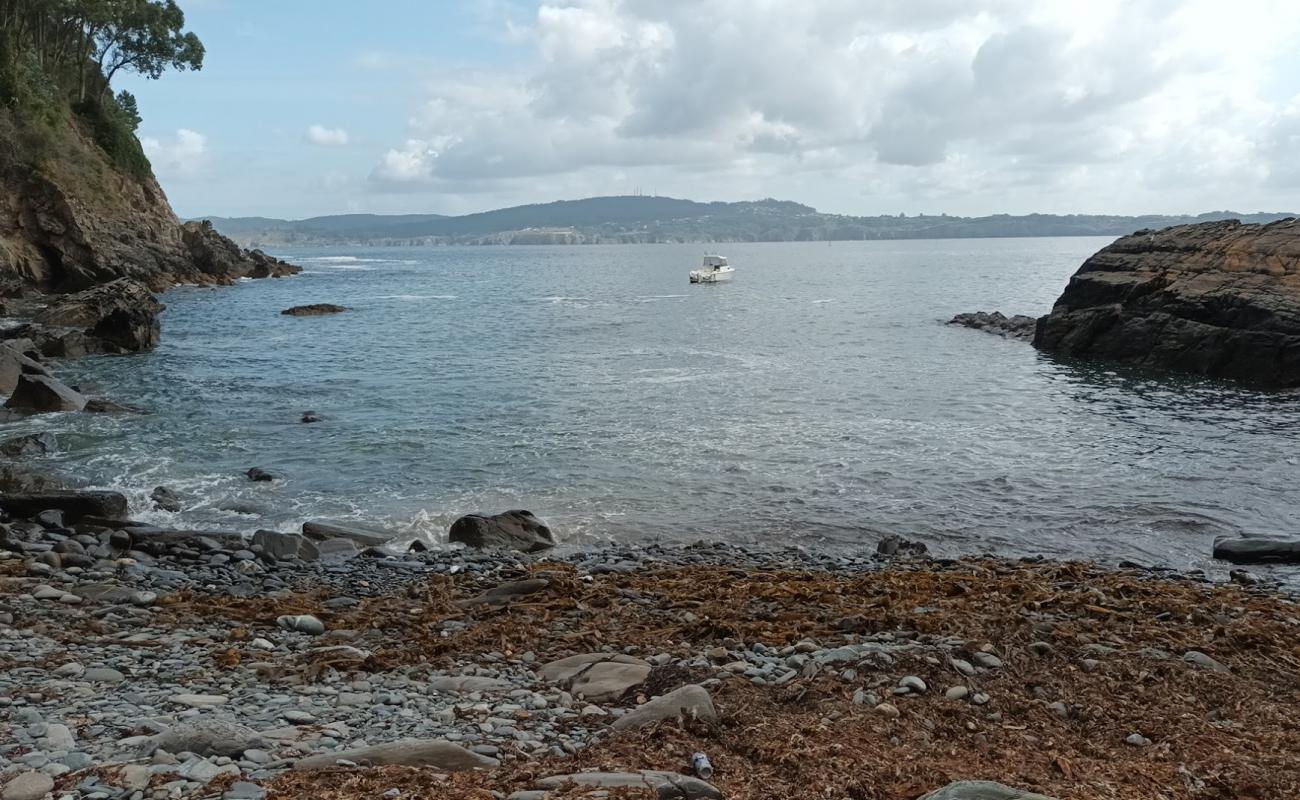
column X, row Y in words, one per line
column 664, row 220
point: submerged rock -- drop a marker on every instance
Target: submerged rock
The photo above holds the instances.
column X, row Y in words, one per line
column 513, row 530
column 258, row 474
column 33, row 444
column 1017, row 326
column 1217, row 298
column 42, row 394
column 314, row 310
column 165, row 499
column 120, row 316
column 1258, row 549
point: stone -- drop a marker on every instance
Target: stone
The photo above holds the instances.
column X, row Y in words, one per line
column 913, row 683
column 28, row 786
column 42, row 394
column 199, row 700
column 691, row 701
column 1258, row 549
column 505, row 592
column 893, row 545
column 121, row 316
column 1215, row 298
column 209, row 736
column 466, row 684
column 511, row 530
column 14, row 364
column 1137, row 740
column 981, row 790
column 1200, row 659
column 165, row 499
column 1017, row 326
column 282, row 546
column 74, row 505
column 314, row 310
column 565, row 670
column 608, row 680
column 364, row 535
column 33, row 444
column 135, row 777
column 888, row 710
column 243, row 790
column 303, row 623
column 957, row 693
column 259, row 475
column 437, row 753
column 666, row 785
column 103, row 675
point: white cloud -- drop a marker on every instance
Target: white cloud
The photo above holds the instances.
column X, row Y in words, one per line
column 181, row 155
column 326, row 137
column 1030, row 104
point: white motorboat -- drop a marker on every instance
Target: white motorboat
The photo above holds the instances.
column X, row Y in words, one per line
column 715, row 270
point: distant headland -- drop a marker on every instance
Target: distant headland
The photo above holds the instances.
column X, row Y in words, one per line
column 637, row 219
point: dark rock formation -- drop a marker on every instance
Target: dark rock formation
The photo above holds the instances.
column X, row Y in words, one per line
column 42, row 394
column 1017, row 326
column 33, row 444
column 14, row 364
column 893, row 545
column 259, row 474
column 314, row 310
column 513, row 530
column 165, row 499
column 1258, row 549
column 74, row 505
column 364, row 535
column 1219, row 299
column 118, row 317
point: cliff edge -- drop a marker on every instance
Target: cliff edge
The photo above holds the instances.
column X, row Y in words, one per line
column 71, row 218
column 1219, row 299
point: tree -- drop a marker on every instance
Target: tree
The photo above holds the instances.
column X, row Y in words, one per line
column 144, row 36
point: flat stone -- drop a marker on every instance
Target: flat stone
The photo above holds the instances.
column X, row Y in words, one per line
column 209, row 736
column 690, row 701
column 465, row 684
column 608, row 680
column 28, row 786
column 1200, row 659
column 437, row 753
column 304, row 623
column 243, row 790
column 666, row 785
column 282, row 546
column 199, row 700
column 103, row 675
column 364, row 535
column 981, row 790
column 566, row 669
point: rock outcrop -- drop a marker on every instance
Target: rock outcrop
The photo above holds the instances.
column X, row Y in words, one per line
column 41, row 394
column 314, row 310
column 119, row 317
column 1258, row 549
column 74, row 220
column 512, row 530
column 1219, row 299
column 1016, row 326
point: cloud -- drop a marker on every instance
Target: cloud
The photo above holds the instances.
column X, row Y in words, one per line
column 1091, row 104
column 326, row 137
column 184, row 154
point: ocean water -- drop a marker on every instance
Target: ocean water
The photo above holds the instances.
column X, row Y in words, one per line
column 817, row 400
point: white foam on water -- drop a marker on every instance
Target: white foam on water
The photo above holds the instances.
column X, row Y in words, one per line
column 415, row 297
column 819, row 302
column 659, row 296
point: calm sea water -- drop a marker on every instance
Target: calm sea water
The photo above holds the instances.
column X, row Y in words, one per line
column 817, row 400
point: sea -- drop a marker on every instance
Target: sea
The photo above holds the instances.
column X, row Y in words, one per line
column 816, row 401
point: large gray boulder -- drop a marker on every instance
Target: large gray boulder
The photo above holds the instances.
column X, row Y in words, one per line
column 981, row 790
column 42, row 394
column 121, row 316
column 511, row 530
column 286, row 546
column 209, row 736
column 14, row 364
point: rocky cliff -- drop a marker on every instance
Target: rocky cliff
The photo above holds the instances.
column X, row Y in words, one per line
column 71, row 219
column 1219, row 299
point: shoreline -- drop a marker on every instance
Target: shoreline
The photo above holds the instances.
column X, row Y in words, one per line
column 1035, row 674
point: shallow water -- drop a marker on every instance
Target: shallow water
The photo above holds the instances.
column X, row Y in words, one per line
column 817, row 400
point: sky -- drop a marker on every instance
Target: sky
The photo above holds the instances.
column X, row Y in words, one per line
column 865, row 107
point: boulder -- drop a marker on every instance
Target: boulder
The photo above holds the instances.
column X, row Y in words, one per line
column 14, row 364
column 1215, row 298
column 511, row 530
column 666, row 785
column 981, row 790
column 597, row 676
column 33, row 444
column 691, row 701
column 1017, row 326
column 436, row 753
column 285, row 546
column 364, row 535
column 121, row 315
column 28, row 785
column 314, row 310
column 42, row 394
column 467, row 684
column 74, row 505
column 1258, row 549
column 209, row 736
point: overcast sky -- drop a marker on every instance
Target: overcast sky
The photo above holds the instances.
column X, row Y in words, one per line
column 310, row 107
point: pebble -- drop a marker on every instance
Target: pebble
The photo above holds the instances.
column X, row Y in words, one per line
column 888, row 710
column 1137, row 740
column 957, row 693
column 912, row 684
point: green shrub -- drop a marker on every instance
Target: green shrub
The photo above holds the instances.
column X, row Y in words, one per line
column 112, row 123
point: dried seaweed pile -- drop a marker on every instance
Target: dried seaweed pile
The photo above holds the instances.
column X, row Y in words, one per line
column 1054, row 723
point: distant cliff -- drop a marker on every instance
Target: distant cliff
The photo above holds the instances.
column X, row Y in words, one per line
column 638, row 219
column 1220, row 299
